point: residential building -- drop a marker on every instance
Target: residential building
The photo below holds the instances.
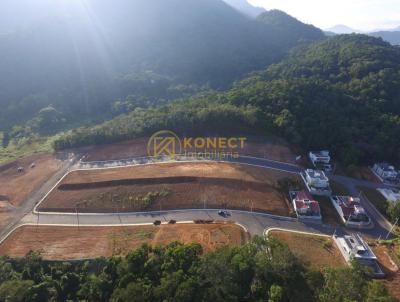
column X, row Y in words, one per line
column 351, row 212
column 316, row 182
column 316, row 179
column 385, row 171
column 391, row 195
column 319, row 157
column 354, row 247
column 304, row 205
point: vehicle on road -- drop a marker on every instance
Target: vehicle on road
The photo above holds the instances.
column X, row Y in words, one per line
column 224, row 213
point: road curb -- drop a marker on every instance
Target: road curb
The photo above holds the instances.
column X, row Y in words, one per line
column 267, row 230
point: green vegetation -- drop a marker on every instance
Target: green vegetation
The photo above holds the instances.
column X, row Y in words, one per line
column 327, row 244
column 79, row 73
column 377, row 199
column 307, row 99
column 26, row 146
column 389, row 209
column 262, row 270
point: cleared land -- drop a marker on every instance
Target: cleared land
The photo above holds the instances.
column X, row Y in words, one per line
column 316, row 251
column 69, row 243
column 272, row 149
column 328, row 212
column 363, row 173
column 388, row 259
column 15, row 187
column 171, row 186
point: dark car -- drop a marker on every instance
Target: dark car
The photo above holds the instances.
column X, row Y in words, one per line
column 224, row 213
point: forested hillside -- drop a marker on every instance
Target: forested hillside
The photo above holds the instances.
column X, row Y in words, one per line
column 81, row 57
column 258, row 271
column 341, row 94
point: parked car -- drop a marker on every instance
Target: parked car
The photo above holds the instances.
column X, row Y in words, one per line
column 224, row 213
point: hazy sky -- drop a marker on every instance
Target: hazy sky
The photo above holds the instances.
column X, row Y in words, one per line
column 358, row 14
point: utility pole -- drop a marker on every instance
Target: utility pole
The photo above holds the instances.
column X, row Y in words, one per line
column 77, row 215
column 37, row 223
column 392, row 228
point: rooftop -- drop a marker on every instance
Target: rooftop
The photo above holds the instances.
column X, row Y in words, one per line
column 386, row 167
column 320, row 153
column 350, row 206
column 357, row 246
column 305, row 203
column 317, row 174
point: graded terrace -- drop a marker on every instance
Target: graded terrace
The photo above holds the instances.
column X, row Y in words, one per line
column 171, row 186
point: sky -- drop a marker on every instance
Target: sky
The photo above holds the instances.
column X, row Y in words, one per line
column 363, row 15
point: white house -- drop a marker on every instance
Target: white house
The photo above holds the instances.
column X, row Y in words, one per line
column 316, row 179
column 316, row 182
column 354, row 247
column 391, row 195
column 319, row 157
column 385, row 171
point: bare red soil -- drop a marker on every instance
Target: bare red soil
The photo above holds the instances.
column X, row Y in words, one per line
column 170, row 186
column 69, row 243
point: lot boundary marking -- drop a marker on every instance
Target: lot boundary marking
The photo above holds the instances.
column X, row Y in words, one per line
column 109, row 226
column 35, row 209
column 268, row 230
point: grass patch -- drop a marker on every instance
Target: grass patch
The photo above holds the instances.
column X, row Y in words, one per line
column 144, row 234
column 338, row 189
column 328, row 212
column 24, row 147
column 363, row 173
column 375, row 198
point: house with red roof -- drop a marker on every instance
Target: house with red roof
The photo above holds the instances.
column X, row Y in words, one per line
column 305, row 206
column 351, row 211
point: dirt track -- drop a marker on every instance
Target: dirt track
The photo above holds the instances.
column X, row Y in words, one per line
column 17, row 186
column 170, row 186
column 68, row 243
column 272, row 149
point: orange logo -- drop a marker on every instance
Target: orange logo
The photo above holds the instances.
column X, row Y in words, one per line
column 164, row 142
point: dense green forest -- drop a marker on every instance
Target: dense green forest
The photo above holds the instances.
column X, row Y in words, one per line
column 81, row 58
column 262, row 270
column 341, row 93
column 107, row 83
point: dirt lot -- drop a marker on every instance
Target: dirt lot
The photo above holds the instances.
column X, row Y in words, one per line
column 68, row 243
column 392, row 281
column 317, row 251
column 328, row 212
column 170, row 186
column 363, row 173
column 272, row 149
column 17, row 186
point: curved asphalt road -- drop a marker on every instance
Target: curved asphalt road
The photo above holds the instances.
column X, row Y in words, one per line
column 255, row 223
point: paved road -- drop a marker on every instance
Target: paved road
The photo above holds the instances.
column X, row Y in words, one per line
column 382, row 225
column 254, row 222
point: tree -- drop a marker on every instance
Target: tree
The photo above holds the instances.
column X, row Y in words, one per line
column 377, row 292
column 393, row 210
column 15, row 290
column 275, row 293
column 342, row 285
